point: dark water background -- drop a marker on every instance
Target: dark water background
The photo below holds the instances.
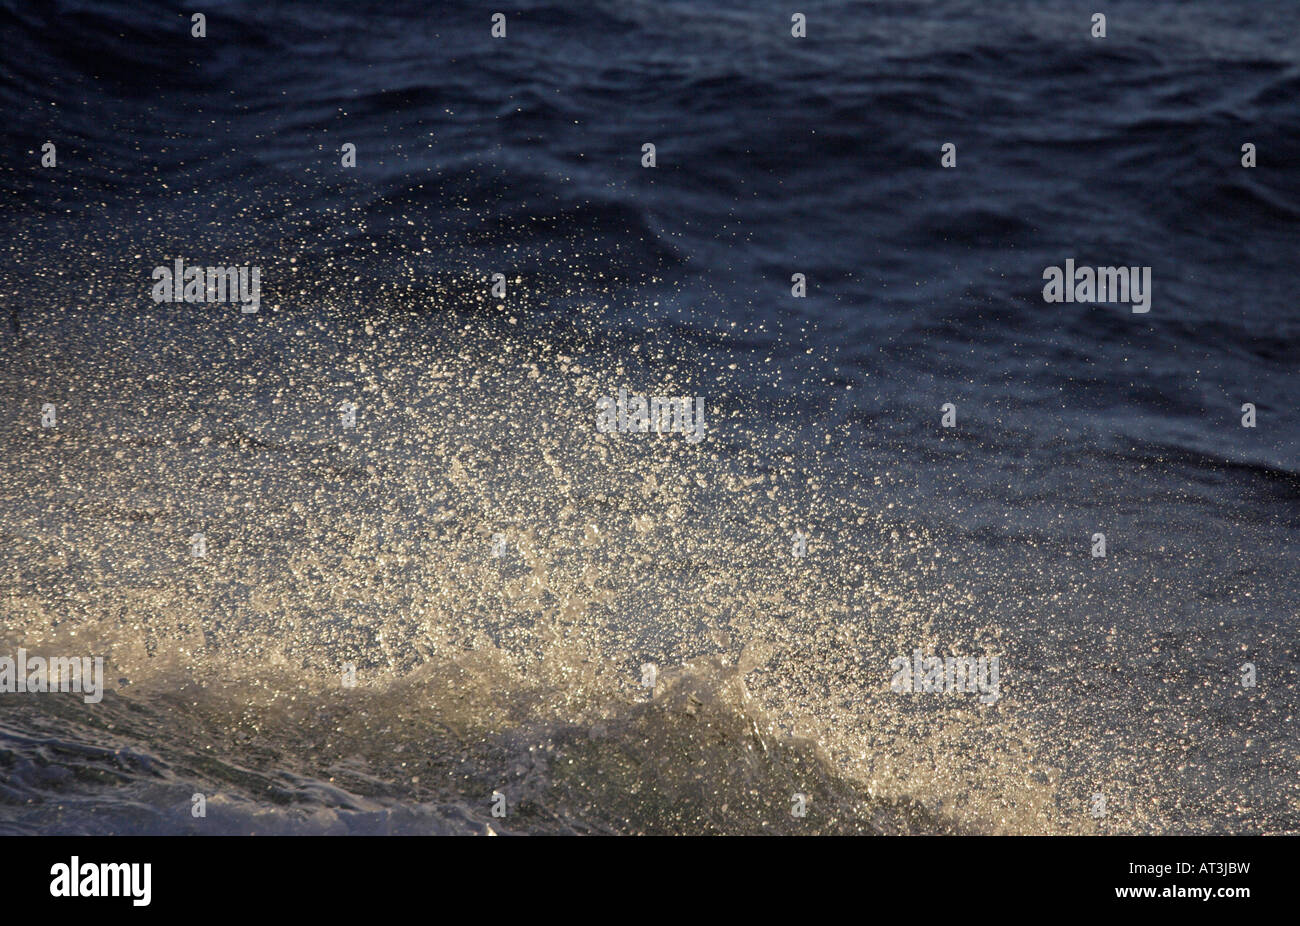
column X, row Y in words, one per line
column 775, row 156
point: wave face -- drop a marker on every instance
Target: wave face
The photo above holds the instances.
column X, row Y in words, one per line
column 497, row 572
